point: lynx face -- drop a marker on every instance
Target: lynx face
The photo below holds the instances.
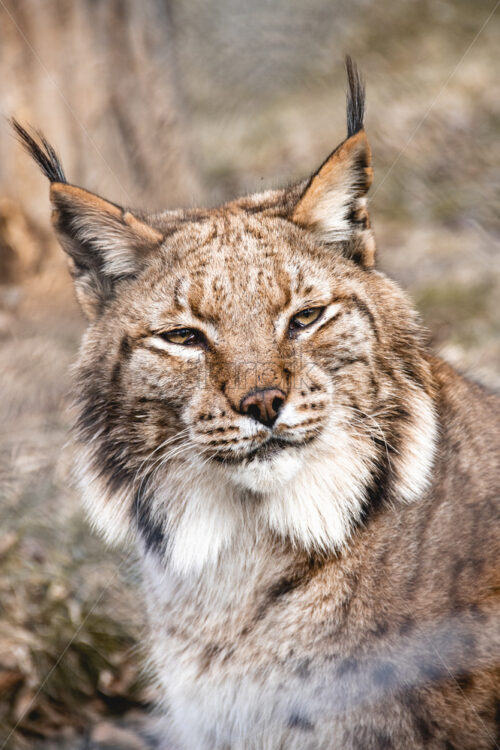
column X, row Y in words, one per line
column 252, row 341
column 245, row 369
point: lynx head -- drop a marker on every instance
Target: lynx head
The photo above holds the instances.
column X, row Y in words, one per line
column 246, row 368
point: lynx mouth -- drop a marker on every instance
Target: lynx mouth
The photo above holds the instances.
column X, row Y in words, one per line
column 264, row 452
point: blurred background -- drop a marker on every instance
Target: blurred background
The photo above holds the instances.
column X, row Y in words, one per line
column 165, row 103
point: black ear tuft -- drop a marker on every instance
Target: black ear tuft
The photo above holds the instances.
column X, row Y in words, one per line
column 355, row 98
column 41, row 151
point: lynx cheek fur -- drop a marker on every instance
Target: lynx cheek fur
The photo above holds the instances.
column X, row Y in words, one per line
column 314, row 495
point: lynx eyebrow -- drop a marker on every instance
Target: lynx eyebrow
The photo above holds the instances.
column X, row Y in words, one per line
column 177, row 289
column 190, row 304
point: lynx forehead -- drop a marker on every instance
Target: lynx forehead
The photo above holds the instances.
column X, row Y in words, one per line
column 258, row 411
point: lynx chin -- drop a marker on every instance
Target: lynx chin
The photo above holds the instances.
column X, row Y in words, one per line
column 313, row 494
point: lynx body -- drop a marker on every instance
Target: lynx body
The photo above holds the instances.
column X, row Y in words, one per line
column 313, row 494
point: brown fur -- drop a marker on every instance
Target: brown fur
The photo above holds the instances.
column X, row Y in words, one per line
column 327, row 582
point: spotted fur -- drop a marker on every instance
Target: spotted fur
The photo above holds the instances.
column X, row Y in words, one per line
column 330, row 581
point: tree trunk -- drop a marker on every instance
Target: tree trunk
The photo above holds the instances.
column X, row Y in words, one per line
column 97, row 76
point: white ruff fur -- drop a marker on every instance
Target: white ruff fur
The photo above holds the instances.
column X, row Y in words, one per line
column 415, row 463
column 311, row 496
column 109, row 514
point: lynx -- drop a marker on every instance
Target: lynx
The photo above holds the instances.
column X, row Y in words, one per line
column 312, row 493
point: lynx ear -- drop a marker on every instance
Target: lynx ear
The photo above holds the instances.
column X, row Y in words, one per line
column 333, row 204
column 106, row 243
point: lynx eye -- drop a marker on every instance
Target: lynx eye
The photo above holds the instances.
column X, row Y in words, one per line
column 184, row 337
column 305, row 318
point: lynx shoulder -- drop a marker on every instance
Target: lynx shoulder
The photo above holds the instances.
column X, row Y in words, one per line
column 313, row 494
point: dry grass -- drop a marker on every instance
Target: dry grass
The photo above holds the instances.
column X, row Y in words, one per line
column 60, row 591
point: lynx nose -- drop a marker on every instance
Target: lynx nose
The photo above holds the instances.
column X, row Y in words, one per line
column 263, row 405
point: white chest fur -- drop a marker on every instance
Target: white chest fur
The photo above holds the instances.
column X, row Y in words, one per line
column 224, row 668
